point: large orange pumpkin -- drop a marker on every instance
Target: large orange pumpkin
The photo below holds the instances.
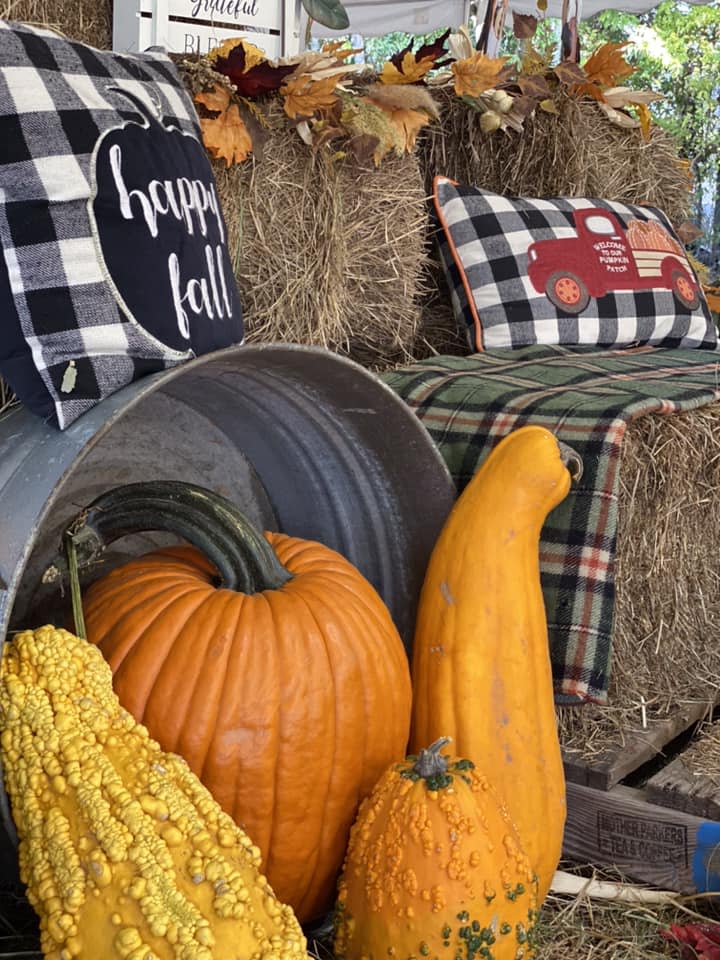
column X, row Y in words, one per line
column 286, row 689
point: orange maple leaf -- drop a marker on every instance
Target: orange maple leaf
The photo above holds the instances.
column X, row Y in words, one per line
column 225, row 136
column 409, row 123
column 252, row 54
column 216, row 99
column 476, row 74
column 603, row 69
column 304, row 97
column 410, row 71
column 608, row 65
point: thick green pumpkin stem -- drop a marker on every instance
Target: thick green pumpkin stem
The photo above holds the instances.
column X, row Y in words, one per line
column 244, row 559
column 430, row 762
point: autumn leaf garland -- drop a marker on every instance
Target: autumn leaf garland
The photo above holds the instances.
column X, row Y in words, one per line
column 331, row 101
column 375, row 119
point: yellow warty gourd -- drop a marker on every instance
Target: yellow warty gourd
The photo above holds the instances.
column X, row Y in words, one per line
column 125, row 855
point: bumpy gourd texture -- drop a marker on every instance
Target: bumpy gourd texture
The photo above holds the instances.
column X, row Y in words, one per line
column 125, row 854
column 435, row 870
column 481, row 660
column 262, row 693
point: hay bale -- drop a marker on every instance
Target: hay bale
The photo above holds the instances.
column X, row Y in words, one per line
column 327, row 253
column 89, row 21
column 440, row 333
column 667, row 612
column 577, row 153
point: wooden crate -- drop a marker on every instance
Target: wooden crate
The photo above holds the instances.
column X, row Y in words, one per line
column 638, row 808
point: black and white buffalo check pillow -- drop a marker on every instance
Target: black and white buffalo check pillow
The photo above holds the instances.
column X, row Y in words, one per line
column 567, row 271
column 114, row 255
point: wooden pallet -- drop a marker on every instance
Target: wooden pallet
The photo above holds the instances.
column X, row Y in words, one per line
column 675, row 786
column 663, row 846
column 639, row 747
column 659, row 825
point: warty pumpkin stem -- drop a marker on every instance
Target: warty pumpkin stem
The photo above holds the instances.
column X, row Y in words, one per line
column 430, row 761
column 244, row 559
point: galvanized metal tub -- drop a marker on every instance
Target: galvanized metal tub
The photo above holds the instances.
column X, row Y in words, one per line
column 302, row 440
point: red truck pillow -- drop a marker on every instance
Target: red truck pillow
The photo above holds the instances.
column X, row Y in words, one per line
column 571, row 271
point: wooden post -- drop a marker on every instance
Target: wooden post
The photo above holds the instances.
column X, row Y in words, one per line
column 570, row 40
column 492, row 29
column 160, row 23
column 292, row 11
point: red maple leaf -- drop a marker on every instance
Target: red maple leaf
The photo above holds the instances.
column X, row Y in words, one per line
column 428, row 51
column 261, row 78
column 436, row 49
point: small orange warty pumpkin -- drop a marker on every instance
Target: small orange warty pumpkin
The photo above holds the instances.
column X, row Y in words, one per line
column 260, row 684
column 435, row 869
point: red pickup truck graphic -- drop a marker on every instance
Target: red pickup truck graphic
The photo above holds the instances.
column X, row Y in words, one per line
column 604, row 257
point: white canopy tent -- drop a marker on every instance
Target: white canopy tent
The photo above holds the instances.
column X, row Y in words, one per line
column 372, row 18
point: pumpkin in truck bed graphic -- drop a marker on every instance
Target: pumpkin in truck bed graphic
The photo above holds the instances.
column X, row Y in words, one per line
column 606, row 258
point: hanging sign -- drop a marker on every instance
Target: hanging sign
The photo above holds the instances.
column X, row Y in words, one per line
column 196, row 26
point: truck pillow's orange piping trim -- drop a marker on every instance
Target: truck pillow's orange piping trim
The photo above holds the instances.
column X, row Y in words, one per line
column 458, row 263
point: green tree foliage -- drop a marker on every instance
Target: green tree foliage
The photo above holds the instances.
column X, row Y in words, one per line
column 675, row 49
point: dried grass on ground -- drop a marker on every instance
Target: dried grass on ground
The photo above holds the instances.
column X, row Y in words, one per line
column 580, row 928
column 701, row 758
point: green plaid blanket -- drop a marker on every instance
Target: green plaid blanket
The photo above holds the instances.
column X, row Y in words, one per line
column 587, row 399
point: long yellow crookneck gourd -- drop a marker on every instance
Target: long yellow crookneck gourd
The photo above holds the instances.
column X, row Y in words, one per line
column 481, row 662
column 125, row 855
